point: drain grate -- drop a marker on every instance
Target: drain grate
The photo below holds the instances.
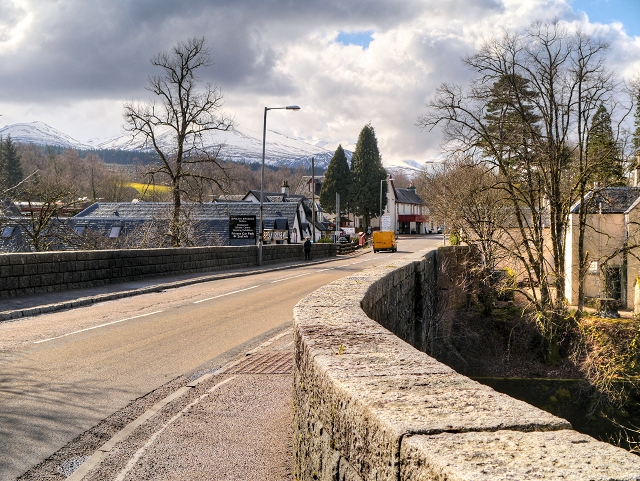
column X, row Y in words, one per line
column 274, row 362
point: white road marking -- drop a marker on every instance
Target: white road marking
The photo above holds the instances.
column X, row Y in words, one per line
column 96, row 327
column 292, row 277
column 227, row 294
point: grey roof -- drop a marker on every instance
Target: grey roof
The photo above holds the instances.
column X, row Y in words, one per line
column 210, row 220
column 216, row 210
column 408, row 196
column 268, row 196
column 610, row 200
column 9, row 209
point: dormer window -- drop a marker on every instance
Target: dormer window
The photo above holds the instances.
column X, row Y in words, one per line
column 80, row 230
column 115, row 232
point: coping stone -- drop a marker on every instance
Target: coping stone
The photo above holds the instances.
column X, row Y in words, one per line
column 509, row 455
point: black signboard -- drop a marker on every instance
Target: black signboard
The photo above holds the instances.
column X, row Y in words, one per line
column 242, row 227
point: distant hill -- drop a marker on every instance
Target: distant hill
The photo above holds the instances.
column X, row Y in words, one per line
column 237, row 146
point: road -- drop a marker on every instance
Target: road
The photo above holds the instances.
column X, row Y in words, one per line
column 62, row 373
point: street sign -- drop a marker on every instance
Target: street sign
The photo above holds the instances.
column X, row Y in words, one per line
column 385, row 222
column 275, row 235
column 242, row 227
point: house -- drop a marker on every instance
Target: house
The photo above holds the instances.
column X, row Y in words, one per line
column 305, row 206
column 208, row 224
column 12, row 237
column 406, row 211
column 26, row 230
column 611, row 241
column 412, row 212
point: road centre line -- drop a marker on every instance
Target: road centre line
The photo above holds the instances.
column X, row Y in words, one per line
column 292, row 277
column 222, row 295
column 96, row 327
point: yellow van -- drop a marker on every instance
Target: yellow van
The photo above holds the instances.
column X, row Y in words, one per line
column 384, row 240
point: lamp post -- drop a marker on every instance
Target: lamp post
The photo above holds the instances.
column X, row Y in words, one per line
column 264, row 137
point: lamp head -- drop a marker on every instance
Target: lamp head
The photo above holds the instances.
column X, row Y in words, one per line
column 292, row 107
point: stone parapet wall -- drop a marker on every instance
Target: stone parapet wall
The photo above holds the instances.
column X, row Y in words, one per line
column 370, row 406
column 41, row 272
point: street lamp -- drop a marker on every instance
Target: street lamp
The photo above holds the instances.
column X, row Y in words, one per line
column 264, row 137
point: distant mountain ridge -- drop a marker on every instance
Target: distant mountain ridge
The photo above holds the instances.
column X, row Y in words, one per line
column 238, row 146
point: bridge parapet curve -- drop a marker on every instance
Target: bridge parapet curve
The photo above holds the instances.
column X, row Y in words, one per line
column 369, row 406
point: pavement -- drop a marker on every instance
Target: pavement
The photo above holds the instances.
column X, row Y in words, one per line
column 233, row 422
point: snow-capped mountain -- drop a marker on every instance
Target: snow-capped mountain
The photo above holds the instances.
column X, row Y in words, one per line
column 410, row 168
column 236, row 145
column 41, row 134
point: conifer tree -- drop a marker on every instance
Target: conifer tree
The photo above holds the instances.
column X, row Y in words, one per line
column 367, row 173
column 337, row 179
column 603, row 152
column 11, row 169
column 3, row 184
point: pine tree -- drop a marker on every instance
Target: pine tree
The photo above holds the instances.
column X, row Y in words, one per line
column 511, row 122
column 367, row 175
column 12, row 169
column 603, row 152
column 3, row 183
column 337, row 179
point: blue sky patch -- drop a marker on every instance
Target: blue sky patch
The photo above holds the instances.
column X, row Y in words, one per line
column 607, row 11
column 363, row 39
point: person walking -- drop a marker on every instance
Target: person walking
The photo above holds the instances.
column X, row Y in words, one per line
column 307, row 249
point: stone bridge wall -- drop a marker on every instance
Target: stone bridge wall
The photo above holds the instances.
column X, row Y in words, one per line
column 40, row 272
column 369, row 406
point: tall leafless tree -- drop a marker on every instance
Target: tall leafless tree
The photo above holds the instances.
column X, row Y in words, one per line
column 526, row 115
column 177, row 123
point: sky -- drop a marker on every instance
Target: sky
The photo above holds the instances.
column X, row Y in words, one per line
column 73, row 63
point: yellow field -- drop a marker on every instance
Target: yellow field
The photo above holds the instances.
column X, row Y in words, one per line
column 147, row 189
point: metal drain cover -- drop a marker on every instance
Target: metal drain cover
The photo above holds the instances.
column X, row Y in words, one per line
column 273, row 362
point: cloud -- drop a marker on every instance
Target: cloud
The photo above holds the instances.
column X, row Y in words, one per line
column 72, row 63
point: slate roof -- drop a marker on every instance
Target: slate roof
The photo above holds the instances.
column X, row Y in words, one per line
column 211, row 220
column 610, row 200
column 408, row 196
column 268, row 196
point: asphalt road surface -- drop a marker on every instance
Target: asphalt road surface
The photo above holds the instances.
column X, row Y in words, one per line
column 62, row 373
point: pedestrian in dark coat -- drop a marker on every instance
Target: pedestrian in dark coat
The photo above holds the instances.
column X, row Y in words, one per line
column 307, row 249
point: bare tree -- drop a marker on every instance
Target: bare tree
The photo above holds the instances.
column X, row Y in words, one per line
column 177, row 123
column 525, row 115
column 46, row 204
column 464, row 192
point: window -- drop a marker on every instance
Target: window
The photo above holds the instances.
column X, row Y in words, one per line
column 593, row 268
column 80, row 230
column 7, row 232
column 115, row 232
